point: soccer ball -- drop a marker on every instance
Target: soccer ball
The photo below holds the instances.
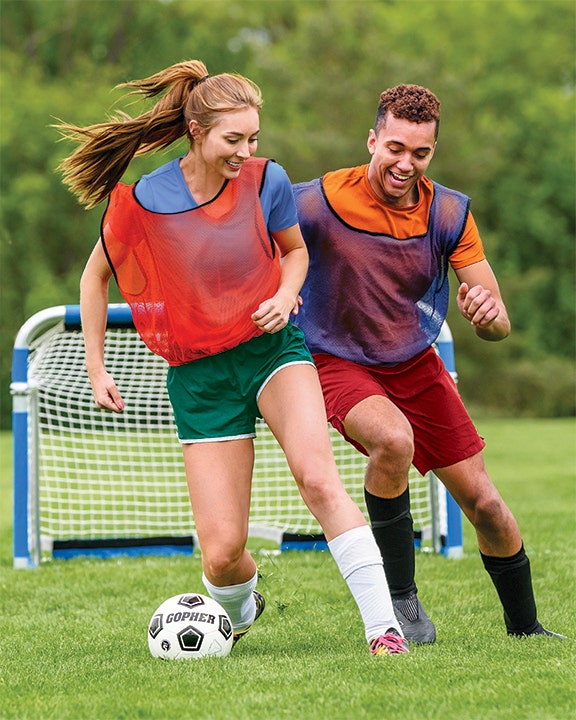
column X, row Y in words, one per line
column 189, row 626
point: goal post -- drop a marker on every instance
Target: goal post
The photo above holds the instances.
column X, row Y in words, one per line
column 91, row 482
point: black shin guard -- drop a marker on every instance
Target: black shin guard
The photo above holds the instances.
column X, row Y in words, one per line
column 513, row 582
column 393, row 531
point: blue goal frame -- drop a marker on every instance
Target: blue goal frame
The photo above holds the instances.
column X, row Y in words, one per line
column 26, row 550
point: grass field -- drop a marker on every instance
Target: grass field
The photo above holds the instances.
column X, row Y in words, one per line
column 73, row 633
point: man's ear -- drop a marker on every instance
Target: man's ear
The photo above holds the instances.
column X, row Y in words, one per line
column 371, row 144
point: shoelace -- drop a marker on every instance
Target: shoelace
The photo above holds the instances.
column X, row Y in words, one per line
column 393, row 643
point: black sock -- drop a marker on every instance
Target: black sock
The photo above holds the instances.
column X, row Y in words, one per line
column 393, row 530
column 513, row 582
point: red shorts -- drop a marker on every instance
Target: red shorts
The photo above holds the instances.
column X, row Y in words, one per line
column 421, row 388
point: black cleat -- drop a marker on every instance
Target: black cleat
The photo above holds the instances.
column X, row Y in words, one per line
column 538, row 630
column 416, row 625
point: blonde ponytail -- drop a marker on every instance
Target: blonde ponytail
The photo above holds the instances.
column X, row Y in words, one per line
column 106, row 149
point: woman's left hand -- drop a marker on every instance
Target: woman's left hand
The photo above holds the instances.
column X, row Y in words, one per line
column 272, row 314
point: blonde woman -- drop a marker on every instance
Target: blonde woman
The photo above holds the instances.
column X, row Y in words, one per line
column 209, row 255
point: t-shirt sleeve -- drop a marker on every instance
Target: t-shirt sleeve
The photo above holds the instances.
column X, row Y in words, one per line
column 164, row 190
column 277, row 199
column 470, row 249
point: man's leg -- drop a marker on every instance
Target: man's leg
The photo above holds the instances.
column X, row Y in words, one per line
column 499, row 541
column 384, row 432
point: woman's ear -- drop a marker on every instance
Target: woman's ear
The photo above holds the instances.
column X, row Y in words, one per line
column 195, row 130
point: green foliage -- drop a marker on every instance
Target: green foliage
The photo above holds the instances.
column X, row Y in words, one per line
column 513, row 378
column 73, row 641
column 503, row 70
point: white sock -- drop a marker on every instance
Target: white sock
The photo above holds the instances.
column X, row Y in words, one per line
column 237, row 600
column 359, row 560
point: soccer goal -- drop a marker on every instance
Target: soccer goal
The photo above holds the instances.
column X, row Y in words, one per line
column 92, row 482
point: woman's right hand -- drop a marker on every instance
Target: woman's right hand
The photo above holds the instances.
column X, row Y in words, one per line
column 106, row 394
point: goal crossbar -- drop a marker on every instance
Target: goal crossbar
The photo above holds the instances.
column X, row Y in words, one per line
column 96, row 483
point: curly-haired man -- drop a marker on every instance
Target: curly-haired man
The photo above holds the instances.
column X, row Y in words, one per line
column 382, row 237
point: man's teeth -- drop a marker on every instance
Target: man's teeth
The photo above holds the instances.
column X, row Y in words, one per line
column 400, row 177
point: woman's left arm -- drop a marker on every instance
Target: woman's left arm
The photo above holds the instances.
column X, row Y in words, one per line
column 273, row 314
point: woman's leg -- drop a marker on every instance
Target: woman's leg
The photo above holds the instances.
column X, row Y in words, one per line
column 219, row 476
column 292, row 405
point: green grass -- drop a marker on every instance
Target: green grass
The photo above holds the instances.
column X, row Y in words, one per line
column 73, row 633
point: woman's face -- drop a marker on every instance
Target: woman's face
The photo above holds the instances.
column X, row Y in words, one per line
column 230, row 142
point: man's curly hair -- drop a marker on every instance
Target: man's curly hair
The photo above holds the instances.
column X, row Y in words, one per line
column 408, row 102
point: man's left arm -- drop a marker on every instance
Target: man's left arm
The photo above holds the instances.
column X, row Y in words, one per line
column 480, row 302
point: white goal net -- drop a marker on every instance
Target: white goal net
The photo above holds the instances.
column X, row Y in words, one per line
column 93, row 480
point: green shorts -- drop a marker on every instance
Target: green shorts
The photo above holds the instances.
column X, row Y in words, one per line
column 216, row 398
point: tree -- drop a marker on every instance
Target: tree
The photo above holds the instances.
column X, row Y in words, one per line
column 504, row 71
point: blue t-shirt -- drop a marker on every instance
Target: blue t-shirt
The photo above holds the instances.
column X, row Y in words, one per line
column 165, row 191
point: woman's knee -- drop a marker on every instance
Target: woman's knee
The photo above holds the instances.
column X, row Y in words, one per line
column 319, row 489
column 221, row 557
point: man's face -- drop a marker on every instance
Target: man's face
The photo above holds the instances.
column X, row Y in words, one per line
column 401, row 153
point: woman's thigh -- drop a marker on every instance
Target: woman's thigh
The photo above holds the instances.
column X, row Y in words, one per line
column 219, row 478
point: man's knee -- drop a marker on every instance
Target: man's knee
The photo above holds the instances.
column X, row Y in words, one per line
column 492, row 510
column 393, row 446
column 488, row 512
column 382, row 429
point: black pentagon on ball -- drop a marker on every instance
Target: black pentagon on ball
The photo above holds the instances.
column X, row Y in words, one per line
column 191, row 601
column 155, row 625
column 225, row 626
column 190, row 639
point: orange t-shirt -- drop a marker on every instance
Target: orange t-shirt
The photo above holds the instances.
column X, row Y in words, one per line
column 350, row 194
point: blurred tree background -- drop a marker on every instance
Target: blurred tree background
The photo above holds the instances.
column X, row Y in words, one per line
column 503, row 70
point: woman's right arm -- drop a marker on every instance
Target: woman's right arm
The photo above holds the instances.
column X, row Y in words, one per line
column 93, row 312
